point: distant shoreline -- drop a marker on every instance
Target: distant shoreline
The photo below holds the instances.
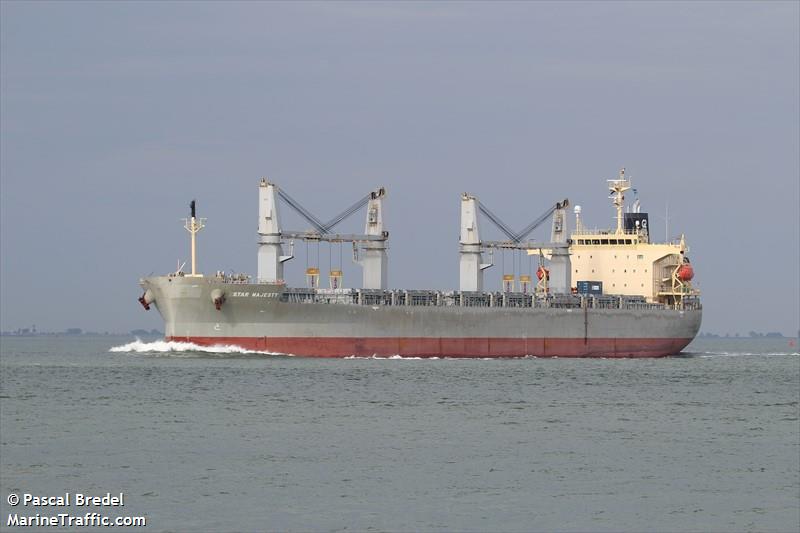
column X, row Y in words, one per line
column 751, row 335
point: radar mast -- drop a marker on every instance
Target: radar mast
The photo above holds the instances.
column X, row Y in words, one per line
column 617, row 188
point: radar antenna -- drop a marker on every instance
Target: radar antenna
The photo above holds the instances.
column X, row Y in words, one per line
column 617, row 190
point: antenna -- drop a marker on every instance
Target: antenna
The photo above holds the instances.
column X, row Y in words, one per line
column 617, row 190
column 665, row 218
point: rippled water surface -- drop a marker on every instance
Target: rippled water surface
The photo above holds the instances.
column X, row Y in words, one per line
column 234, row 441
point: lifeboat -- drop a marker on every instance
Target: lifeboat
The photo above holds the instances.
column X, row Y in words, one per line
column 685, row 272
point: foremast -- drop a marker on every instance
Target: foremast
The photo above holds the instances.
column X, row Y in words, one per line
column 193, row 225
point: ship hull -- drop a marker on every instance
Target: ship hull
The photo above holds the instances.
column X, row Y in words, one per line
column 254, row 317
column 487, row 347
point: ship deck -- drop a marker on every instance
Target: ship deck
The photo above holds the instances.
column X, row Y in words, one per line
column 496, row 299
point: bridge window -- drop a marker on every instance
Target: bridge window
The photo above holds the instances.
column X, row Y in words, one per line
column 603, row 241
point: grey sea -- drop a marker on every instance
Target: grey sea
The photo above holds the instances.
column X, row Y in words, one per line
column 229, row 441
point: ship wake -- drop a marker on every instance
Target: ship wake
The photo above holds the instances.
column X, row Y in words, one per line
column 176, row 348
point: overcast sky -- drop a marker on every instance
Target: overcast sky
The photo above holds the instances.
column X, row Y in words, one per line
column 115, row 115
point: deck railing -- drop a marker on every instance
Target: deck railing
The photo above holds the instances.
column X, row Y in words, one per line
column 424, row 298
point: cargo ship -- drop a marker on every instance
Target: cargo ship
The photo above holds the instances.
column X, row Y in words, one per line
column 630, row 297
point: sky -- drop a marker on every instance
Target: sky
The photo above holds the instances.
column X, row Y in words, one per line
column 114, row 115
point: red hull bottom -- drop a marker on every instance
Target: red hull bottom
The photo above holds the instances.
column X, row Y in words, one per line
column 447, row 347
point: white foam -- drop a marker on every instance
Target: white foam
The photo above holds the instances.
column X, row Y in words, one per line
column 139, row 346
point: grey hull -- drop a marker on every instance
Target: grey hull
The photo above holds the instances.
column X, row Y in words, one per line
column 256, row 316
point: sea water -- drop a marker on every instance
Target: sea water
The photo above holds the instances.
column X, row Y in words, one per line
column 229, row 440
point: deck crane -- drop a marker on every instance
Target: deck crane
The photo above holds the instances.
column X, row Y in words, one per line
column 471, row 245
column 371, row 244
column 516, row 238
